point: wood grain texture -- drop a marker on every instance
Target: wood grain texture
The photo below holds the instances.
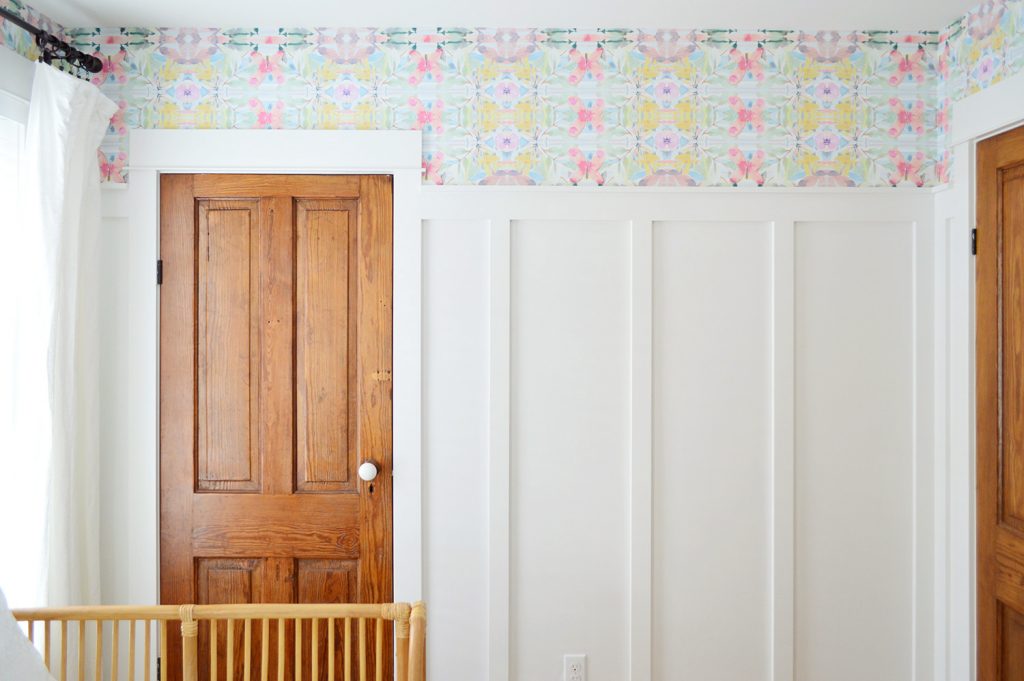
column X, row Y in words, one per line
column 276, row 374
column 325, row 238
column 1000, row 406
column 1011, row 660
column 301, row 186
column 285, row 525
column 227, row 265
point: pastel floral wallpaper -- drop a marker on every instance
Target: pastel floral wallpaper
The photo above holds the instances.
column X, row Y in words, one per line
column 555, row 106
column 635, row 107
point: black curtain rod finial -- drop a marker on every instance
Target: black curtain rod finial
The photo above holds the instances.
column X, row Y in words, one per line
column 51, row 47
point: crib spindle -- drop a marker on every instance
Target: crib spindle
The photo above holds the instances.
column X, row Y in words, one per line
column 99, row 649
column 115, row 634
column 362, row 649
column 230, row 674
column 131, row 650
column 145, row 655
column 163, row 640
column 402, row 645
column 417, row 642
column 330, row 649
column 314, row 663
column 298, row 649
column 81, row 650
column 378, row 661
column 265, row 650
column 247, row 660
column 46, row 643
column 348, row 649
column 280, row 649
column 63, row 650
column 213, row 650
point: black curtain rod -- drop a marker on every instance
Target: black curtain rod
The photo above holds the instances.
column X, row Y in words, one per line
column 51, row 47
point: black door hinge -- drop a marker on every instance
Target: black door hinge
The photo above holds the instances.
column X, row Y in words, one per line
column 974, row 242
column 159, row 272
column 158, row 669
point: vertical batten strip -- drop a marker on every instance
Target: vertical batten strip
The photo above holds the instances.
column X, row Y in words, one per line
column 499, row 471
column 783, row 450
column 31, row 631
column 641, row 488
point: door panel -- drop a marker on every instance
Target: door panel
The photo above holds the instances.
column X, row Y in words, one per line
column 325, row 345
column 1000, row 398
column 275, row 385
column 227, row 409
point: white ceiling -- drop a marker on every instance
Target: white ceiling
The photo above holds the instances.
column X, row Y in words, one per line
column 746, row 14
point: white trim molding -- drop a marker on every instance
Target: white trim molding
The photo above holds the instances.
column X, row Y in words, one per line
column 989, row 111
column 395, row 153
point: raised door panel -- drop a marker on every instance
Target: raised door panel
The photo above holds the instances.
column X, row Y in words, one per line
column 1012, row 461
column 227, row 278
column 227, row 580
column 325, row 375
column 1011, row 644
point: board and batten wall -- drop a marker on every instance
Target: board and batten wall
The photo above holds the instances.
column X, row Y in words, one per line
column 687, row 433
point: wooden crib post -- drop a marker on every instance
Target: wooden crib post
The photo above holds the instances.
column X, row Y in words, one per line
column 402, row 640
column 189, row 637
column 418, row 642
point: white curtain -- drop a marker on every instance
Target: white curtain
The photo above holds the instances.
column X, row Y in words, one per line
column 56, row 338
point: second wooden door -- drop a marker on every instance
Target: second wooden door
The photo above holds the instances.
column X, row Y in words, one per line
column 275, row 386
column 1000, row 400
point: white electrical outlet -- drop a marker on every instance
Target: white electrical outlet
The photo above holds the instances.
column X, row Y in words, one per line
column 575, row 668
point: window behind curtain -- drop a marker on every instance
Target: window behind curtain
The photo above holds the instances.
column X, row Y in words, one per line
column 24, row 410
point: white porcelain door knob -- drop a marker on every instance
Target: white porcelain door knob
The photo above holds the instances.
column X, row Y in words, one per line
column 367, row 471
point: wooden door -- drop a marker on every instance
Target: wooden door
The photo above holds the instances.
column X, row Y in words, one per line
column 275, row 385
column 1000, row 399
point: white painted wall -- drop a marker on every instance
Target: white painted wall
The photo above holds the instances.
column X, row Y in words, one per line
column 455, row 385
column 569, row 446
column 855, row 451
column 788, row 442
column 712, row 450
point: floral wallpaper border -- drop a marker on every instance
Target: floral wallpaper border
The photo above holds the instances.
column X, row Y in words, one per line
column 558, row 106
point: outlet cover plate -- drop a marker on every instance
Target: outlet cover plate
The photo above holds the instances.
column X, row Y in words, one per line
column 575, row 668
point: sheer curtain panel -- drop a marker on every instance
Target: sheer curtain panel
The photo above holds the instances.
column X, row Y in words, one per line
column 66, row 122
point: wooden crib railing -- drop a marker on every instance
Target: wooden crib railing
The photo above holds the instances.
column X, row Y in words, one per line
column 260, row 641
